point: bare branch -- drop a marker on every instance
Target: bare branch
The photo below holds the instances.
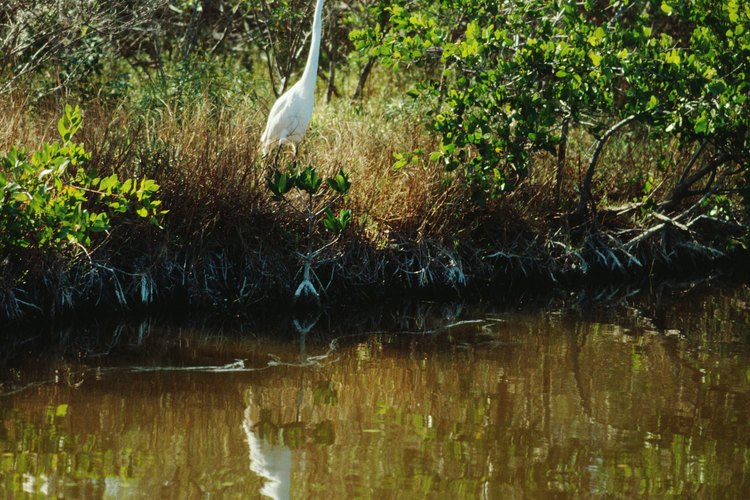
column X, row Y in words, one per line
column 586, row 197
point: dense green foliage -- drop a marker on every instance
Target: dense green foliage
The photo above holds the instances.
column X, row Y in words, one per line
column 500, row 81
column 509, row 77
column 51, row 201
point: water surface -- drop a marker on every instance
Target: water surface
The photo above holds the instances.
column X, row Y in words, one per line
column 648, row 395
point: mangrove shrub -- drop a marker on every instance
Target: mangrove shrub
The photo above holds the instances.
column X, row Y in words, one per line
column 49, row 201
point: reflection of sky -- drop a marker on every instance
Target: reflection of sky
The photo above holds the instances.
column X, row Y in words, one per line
column 114, row 488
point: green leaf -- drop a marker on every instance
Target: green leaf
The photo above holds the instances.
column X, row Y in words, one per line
column 595, row 57
column 150, row 185
column 340, row 183
column 21, row 196
column 330, row 222
column 337, row 224
column 280, row 183
column 733, row 9
column 63, row 129
column 99, row 222
column 596, row 37
column 701, row 125
column 308, row 180
column 673, row 57
column 107, row 183
column 399, row 164
column 344, row 218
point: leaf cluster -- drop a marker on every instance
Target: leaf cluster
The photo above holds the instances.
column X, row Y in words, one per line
column 309, row 182
column 48, row 200
column 509, row 74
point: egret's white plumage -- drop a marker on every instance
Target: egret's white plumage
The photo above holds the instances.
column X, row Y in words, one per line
column 290, row 114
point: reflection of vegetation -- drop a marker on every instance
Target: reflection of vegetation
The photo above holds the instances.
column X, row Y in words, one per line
column 468, row 422
column 40, row 457
column 295, row 435
column 325, row 393
column 511, row 405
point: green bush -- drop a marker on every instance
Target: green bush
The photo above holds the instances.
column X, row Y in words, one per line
column 49, row 201
column 509, row 76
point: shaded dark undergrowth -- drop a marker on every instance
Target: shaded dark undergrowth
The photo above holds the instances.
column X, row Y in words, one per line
column 253, row 266
column 107, row 337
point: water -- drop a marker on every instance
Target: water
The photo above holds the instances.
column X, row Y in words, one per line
column 646, row 397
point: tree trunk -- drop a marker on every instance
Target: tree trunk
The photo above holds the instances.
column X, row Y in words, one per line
column 358, row 93
column 682, row 189
column 586, row 197
column 331, row 54
column 561, row 153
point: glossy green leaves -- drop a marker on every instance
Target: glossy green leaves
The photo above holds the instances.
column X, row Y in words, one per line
column 337, row 223
column 48, row 200
column 513, row 72
column 307, row 181
column 340, row 182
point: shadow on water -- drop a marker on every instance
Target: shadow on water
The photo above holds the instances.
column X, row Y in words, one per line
column 604, row 392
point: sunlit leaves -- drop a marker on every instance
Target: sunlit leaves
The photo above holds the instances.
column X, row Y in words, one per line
column 340, row 182
column 596, row 58
column 511, row 75
column 69, row 123
column 50, row 201
column 701, row 125
column 595, row 39
column 733, row 11
column 307, row 181
column 673, row 57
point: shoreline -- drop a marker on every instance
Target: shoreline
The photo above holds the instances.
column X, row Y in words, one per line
column 170, row 279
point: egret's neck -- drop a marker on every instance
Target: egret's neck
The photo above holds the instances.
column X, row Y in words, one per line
column 310, row 75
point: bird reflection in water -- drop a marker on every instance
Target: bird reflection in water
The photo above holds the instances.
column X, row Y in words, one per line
column 273, row 460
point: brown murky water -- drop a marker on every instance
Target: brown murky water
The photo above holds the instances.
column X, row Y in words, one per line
column 650, row 397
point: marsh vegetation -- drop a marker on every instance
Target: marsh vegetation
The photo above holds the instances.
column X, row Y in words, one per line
column 518, row 140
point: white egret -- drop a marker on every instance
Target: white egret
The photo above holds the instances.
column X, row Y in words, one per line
column 290, row 114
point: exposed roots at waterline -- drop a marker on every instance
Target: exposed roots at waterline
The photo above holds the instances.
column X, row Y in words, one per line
column 356, row 272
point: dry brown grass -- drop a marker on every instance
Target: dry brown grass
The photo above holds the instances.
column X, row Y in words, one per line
column 206, row 160
column 224, row 235
column 213, row 180
column 208, row 165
